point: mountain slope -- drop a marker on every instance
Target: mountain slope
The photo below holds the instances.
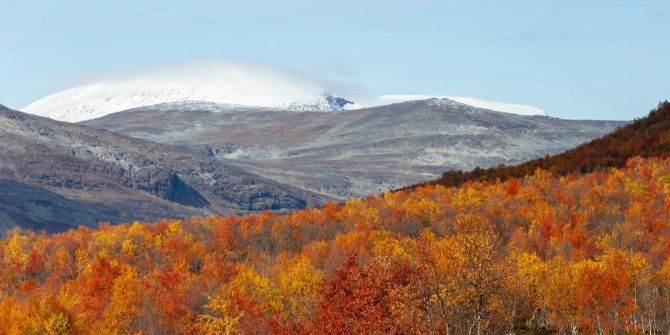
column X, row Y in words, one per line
column 220, row 82
column 356, row 152
column 645, row 137
column 32, row 207
column 130, row 178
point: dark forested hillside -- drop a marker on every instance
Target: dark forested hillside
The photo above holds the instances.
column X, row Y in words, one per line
column 645, row 137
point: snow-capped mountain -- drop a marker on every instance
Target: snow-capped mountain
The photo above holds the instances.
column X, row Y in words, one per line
column 232, row 83
column 224, row 82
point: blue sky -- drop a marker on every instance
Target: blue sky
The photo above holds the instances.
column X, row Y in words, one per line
column 600, row 59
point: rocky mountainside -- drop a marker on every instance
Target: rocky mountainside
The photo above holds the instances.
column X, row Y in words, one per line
column 356, row 152
column 119, row 178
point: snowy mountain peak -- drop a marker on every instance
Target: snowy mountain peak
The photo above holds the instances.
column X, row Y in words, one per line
column 338, row 103
column 224, row 82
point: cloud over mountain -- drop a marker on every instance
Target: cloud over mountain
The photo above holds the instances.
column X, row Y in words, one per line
column 225, row 82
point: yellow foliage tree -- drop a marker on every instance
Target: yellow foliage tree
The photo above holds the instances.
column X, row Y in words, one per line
column 123, row 308
column 222, row 323
column 58, row 324
column 298, row 281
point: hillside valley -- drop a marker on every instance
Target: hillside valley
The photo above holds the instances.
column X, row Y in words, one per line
column 359, row 152
column 110, row 177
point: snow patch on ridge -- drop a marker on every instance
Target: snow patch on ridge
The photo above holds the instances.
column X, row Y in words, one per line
column 475, row 102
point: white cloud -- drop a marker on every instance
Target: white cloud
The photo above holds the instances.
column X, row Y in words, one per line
column 226, row 82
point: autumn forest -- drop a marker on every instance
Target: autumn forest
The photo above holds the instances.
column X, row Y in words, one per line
column 543, row 253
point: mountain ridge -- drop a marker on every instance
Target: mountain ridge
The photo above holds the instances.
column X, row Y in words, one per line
column 355, row 152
